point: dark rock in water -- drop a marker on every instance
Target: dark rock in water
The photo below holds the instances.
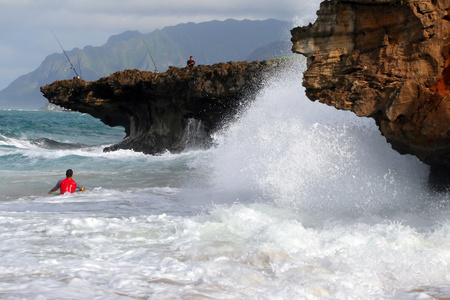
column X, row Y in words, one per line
column 388, row 60
column 439, row 179
column 164, row 111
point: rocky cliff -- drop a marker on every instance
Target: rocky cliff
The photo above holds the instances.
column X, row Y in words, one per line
column 164, row 111
column 388, row 60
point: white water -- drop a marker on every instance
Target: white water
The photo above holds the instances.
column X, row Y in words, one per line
column 296, row 201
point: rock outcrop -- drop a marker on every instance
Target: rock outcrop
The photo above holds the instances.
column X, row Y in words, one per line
column 164, row 111
column 388, row 60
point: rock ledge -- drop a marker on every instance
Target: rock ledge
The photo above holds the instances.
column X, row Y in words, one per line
column 388, row 60
column 164, row 111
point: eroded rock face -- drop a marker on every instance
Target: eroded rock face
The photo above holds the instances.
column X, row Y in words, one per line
column 160, row 111
column 388, row 60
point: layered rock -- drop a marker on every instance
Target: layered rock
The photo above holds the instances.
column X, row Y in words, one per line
column 388, row 60
column 164, row 111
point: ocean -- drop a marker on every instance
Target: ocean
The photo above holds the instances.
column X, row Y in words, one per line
column 295, row 200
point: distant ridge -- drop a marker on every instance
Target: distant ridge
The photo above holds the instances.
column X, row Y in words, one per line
column 209, row 42
column 124, row 36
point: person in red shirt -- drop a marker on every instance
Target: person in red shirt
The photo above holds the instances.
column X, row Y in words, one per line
column 67, row 185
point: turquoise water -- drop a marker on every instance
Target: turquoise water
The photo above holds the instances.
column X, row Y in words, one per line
column 69, row 129
column 296, row 201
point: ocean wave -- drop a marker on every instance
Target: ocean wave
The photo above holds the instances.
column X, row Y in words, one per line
column 40, row 143
column 52, row 144
column 43, row 143
column 15, row 143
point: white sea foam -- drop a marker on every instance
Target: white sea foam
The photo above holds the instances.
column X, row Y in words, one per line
column 16, row 143
column 296, row 201
column 312, row 157
column 250, row 251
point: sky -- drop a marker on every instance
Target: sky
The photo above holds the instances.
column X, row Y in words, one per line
column 28, row 27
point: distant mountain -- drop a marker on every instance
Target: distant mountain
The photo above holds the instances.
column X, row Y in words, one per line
column 273, row 50
column 209, row 43
column 124, row 36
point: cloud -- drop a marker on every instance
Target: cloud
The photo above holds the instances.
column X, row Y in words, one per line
column 145, row 15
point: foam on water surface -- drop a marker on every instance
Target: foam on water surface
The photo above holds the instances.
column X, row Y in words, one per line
column 232, row 251
column 296, row 200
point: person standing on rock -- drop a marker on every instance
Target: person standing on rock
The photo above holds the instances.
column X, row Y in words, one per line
column 191, row 62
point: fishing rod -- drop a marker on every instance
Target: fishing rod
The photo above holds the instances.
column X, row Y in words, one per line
column 204, row 59
column 148, row 51
column 71, row 65
column 79, row 65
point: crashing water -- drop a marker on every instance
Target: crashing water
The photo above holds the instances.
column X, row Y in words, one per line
column 296, row 200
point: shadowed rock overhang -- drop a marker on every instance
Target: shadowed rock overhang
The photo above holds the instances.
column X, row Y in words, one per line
column 158, row 109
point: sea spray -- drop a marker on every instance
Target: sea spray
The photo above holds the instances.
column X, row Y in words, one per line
column 295, row 201
column 314, row 158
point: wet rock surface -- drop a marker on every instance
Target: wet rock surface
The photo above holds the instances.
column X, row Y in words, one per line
column 165, row 111
column 388, row 60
